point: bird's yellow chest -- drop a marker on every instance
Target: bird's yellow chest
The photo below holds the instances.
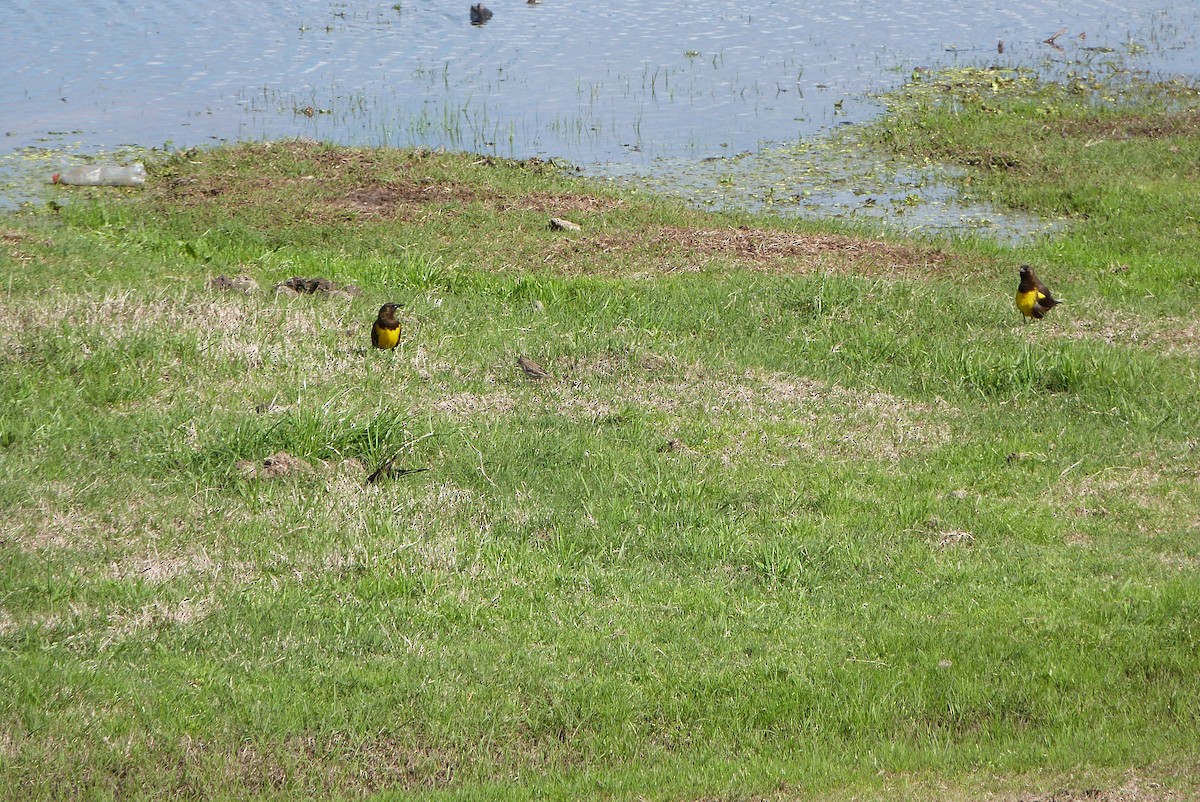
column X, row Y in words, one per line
column 1027, row 300
column 386, row 338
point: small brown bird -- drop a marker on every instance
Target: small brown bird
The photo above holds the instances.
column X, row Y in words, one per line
column 388, row 470
column 1033, row 298
column 532, row 369
column 385, row 333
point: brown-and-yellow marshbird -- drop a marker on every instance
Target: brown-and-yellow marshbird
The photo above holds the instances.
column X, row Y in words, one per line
column 385, row 333
column 1033, row 299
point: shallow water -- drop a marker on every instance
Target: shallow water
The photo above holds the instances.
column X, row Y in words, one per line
column 617, row 87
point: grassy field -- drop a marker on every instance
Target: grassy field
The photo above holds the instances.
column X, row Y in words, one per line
column 800, row 514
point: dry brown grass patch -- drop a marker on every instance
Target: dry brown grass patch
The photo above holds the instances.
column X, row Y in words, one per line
column 16, row 239
column 335, row 764
column 345, row 184
column 426, row 518
column 468, row 405
column 1152, row 495
column 1170, row 336
column 557, row 203
column 406, row 200
column 676, row 249
column 156, row 568
column 1159, row 126
column 123, row 625
column 54, row 523
column 397, row 200
column 339, row 184
column 836, row 421
column 121, row 315
column 1178, row 337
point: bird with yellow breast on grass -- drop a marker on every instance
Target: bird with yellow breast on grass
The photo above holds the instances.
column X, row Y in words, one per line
column 1033, row 298
column 385, row 332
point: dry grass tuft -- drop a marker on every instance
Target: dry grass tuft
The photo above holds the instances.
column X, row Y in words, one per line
column 156, row 568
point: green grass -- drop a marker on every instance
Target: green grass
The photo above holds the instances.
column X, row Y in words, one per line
column 801, row 515
column 1118, row 160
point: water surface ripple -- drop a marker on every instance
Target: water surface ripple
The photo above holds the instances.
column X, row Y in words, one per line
column 625, row 83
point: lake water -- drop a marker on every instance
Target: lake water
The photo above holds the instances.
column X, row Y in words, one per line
column 616, row 87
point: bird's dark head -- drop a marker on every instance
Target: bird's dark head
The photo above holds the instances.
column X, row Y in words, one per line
column 388, row 311
column 1026, row 271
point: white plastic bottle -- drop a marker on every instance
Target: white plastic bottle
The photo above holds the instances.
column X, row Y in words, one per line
column 103, row 175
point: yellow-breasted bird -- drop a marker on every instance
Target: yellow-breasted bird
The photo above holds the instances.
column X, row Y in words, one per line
column 385, row 333
column 1033, row 299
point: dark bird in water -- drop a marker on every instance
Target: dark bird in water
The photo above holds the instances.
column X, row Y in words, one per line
column 532, row 369
column 1033, row 298
column 480, row 14
column 385, row 333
